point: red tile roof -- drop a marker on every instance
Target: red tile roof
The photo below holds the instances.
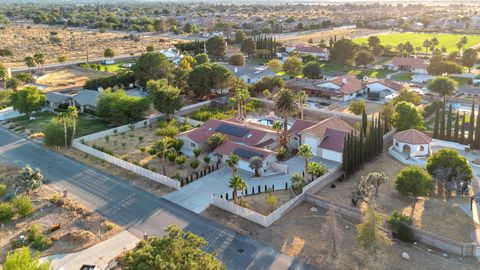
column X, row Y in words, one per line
column 334, row 140
column 388, row 83
column 412, row 136
column 332, row 123
column 416, row 63
column 229, row 147
column 348, row 84
column 252, row 137
column 300, row 125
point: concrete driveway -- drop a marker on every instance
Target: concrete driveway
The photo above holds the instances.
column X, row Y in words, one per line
column 296, row 164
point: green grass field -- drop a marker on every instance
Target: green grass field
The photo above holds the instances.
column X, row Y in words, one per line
column 448, row 41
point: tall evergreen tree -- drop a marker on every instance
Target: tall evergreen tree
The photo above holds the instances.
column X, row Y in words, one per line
column 435, row 125
column 441, row 134
column 477, row 130
column 448, row 134
column 462, row 134
column 471, row 126
column 364, row 122
column 456, row 136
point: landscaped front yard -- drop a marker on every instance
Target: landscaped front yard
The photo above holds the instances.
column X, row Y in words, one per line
column 260, row 204
column 434, row 214
column 403, row 76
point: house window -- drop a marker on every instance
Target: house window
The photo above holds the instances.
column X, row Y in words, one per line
column 193, row 145
column 421, row 148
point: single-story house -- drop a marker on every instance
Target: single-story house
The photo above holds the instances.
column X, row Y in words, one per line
column 84, row 99
column 251, row 74
column 410, row 64
column 412, row 142
column 244, row 153
column 326, row 138
column 296, row 128
column 235, row 130
column 321, row 53
column 382, row 88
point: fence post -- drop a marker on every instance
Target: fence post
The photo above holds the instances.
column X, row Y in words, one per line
column 266, row 188
column 259, row 189
column 246, row 191
column 253, row 190
column 273, row 187
column 286, row 185
column 221, row 197
column 196, row 174
column 226, row 196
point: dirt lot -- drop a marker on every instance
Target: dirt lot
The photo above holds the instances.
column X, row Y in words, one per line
column 370, row 107
column 25, row 40
column 317, row 36
column 434, row 214
column 258, row 203
column 72, row 77
column 79, row 227
column 299, row 234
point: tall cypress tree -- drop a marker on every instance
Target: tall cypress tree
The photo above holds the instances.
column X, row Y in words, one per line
column 449, row 123
column 345, row 154
column 471, row 126
column 435, row 125
column 462, row 134
column 364, row 122
column 441, row 134
column 477, row 130
column 456, row 136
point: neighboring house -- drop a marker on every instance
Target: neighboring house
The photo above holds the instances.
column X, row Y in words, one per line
column 321, row 53
column 84, row 99
column 379, row 89
column 235, row 130
column 343, row 88
column 412, row 142
column 417, row 26
column 326, row 138
column 251, row 74
column 295, row 129
column 172, row 54
column 410, row 64
column 245, row 152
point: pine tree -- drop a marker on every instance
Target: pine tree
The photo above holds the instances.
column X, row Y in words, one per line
column 471, row 127
column 435, row 125
column 449, row 123
column 456, row 136
column 441, row 134
column 462, row 134
column 477, row 130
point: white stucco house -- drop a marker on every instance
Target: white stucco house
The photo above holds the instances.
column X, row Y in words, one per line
column 382, row 88
column 251, row 74
column 412, row 143
column 410, row 64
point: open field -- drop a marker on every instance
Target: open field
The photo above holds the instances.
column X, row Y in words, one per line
column 448, row 41
column 317, row 36
column 299, row 234
column 25, row 40
column 69, row 78
column 455, row 224
column 78, row 227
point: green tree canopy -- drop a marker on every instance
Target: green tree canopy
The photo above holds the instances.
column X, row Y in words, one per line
column 357, row 107
column 409, row 96
column 406, row 116
column 343, row 51
column 469, row 58
column 312, row 70
column 268, row 83
column 216, row 46
column 166, row 98
column 415, row 182
column 202, row 58
column 363, row 58
column 117, row 107
column 152, row 66
column 237, row 60
column 443, row 86
column 248, row 46
column 109, row 53
column 207, row 77
column 451, row 164
column 23, row 259
column 240, row 36
column 28, row 100
column 178, row 250
column 293, row 65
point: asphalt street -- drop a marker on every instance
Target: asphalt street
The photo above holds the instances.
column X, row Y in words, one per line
column 137, row 210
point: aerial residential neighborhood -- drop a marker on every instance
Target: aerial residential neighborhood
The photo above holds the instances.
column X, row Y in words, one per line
column 239, row 135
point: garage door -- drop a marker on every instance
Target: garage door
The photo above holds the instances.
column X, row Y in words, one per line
column 242, row 164
column 331, row 155
column 312, row 142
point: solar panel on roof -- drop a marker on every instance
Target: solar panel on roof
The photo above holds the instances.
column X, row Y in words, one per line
column 232, row 130
column 247, row 154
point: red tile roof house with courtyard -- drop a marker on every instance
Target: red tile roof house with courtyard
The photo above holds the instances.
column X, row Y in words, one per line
column 326, row 138
column 411, row 64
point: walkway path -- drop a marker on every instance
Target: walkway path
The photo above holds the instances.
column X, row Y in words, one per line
column 100, row 254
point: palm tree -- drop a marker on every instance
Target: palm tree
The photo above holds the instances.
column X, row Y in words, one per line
column 266, row 95
column 242, row 95
column 297, row 182
column 237, row 183
column 73, row 115
column 232, row 162
column 39, row 59
column 161, row 149
column 301, row 98
column 30, row 62
column 277, row 126
column 256, row 163
column 305, row 152
column 285, row 103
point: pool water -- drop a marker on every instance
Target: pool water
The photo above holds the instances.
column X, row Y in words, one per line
column 269, row 122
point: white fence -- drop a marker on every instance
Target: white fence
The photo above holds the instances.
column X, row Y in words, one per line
column 253, row 216
column 192, row 122
column 447, row 144
column 323, row 180
column 162, row 179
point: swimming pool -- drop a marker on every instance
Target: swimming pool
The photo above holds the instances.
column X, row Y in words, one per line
column 269, row 122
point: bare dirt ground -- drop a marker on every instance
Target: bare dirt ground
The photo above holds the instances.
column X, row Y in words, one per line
column 299, row 234
column 72, row 77
column 317, row 36
column 25, row 40
column 79, row 227
column 370, row 107
column 140, row 181
column 258, row 202
column 434, row 214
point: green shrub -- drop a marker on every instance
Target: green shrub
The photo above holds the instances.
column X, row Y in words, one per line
column 400, row 226
column 3, row 190
column 23, row 205
column 180, row 160
column 6, row 212
column 177, row 145
column 206, row 159
column 55, row 198
column 54, row 133
column 140, row 138
column 171, row 156
column 142, row 149
column 37, row 238
column 194, row 164
column 168, row 131
column 197, row 151
column 206, row 113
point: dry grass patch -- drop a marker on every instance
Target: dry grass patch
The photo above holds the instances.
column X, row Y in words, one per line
column 259, row 204
column 434, row 214
column 73, row 77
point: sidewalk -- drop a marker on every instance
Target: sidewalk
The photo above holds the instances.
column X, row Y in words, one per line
column 98, row 255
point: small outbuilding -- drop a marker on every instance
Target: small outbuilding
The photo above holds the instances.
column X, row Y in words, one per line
column 412, row 142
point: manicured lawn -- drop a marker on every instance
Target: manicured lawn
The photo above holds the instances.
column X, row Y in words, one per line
column 374, row 73
column 460, row 80
column 404, row 76
column 85, row 125
column 448, row 41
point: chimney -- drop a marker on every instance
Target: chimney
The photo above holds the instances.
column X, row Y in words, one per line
column 344, row 80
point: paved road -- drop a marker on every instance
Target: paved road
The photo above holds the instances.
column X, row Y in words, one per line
column 140, row 211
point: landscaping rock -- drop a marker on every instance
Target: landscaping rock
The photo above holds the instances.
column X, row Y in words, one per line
column 405, row 256
column 429, row 250
column 445, row 255
column 415, row 243
column 313, row 209
column 346, row 227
